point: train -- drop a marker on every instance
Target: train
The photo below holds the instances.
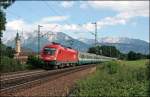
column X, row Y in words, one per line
column 56, row 56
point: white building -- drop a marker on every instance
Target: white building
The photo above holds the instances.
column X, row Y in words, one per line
column 18, row 44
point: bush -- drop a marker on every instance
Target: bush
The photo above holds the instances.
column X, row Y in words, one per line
column 148, row 69
column 34, row 62
column 111, row 67
column 10, row 65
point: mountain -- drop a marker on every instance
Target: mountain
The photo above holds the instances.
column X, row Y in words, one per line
column 87, row 41
column 82, row 44
column 32, row 42
column 124, row 44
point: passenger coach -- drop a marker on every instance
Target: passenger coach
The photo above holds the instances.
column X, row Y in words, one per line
column 57, row 56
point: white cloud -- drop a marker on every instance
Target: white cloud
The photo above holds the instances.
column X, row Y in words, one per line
column 132, row 8
column 54, row 18
column 110, row 21
column 29, row 28
column 67, row 4
column 15, row 25
column 126, row 10
column 18, row 25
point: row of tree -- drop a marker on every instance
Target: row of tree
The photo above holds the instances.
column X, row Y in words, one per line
column 135, row 56
column 112, row 51
column 109, row 51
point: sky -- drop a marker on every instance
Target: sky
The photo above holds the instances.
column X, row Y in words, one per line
column 76, row 18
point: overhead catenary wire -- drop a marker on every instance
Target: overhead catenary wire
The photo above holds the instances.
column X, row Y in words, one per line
column 53, row 10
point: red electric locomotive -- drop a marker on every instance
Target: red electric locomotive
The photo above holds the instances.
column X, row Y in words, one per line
column 56, row 55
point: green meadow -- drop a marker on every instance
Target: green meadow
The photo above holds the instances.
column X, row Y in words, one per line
column 116, row 78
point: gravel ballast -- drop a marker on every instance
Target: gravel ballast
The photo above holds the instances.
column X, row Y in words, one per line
column 57, row 87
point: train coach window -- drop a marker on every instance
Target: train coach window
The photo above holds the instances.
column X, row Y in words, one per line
column 50, row 51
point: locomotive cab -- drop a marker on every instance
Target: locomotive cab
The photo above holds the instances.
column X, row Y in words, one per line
column 48, row 54
column 49, row 51
column 56, row 55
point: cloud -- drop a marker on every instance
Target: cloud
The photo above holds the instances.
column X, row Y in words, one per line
column 15, row 25
column 67, row 4
column 126, row 11
column 110, row 21
column 54, row 18
column 132, row 8
column 18, row 25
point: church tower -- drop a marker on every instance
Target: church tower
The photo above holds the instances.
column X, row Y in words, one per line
column 18, row 44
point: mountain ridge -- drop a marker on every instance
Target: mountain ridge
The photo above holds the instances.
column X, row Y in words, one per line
column 124, row 44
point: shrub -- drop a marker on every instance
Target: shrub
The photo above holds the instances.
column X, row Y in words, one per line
column 111, row 67
column 148, row 69
column 34, row 62
column 11, row 65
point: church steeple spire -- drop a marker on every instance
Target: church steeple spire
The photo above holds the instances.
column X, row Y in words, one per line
column 17, row 36
column 18, row 45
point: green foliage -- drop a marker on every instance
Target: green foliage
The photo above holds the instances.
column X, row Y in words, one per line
column 95, row 50
column 3, row 5
column 34, row 62
column 11, row 65
column 135, row 56
column 6, row 3
column 148, row 56
column 109, row 51
column 116, row 80
column 2, row 22
column 7, row 51
column 122, row 56
column 131, row 55
column 111, row 67
column 7, row 63
column 148, row 69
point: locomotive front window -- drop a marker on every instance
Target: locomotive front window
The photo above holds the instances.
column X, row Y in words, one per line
column 50, row 51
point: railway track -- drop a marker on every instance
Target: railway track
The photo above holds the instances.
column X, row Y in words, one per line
column 19, row 72
column 14, row 75
column 20, row 82
column 11, row 80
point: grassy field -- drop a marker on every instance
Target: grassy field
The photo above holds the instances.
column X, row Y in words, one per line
column 137, row 63
column 116, row 78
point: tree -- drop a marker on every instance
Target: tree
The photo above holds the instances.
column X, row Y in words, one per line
column 9, row 52
column 131, row 55
column 109, row 51
column 135, row 56
column 3, row 5
column 148, row 56
column 95, row 50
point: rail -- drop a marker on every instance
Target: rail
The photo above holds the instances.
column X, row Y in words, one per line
column 28, row 82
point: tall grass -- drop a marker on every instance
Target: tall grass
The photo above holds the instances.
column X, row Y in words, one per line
column 114, row 79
